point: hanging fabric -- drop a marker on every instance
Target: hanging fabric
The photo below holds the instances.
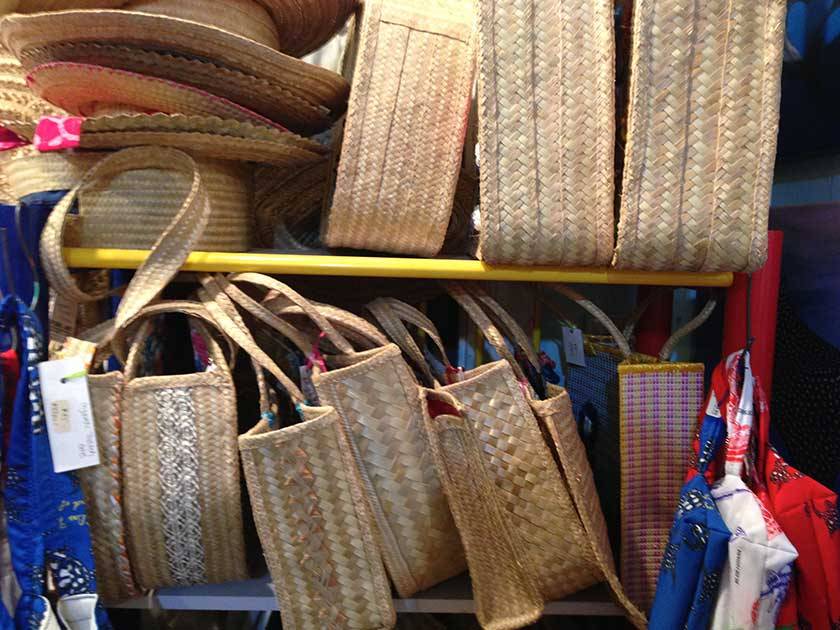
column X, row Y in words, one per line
column 759, row 567
column 689, row 574
column 807, row 512
column 47, row 520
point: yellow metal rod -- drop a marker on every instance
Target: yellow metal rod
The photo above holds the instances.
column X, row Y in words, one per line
column 389, row 267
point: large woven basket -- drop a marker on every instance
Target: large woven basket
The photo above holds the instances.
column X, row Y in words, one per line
column 546, row 130
column 132, row 209
column 405, row 127
column 701, row 136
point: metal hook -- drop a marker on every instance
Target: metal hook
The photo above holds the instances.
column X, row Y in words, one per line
column 30, row 260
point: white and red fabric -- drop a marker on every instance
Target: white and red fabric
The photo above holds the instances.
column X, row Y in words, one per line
column 759, row 568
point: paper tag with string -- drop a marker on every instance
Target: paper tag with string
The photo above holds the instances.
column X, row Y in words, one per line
column 68, row 413
column 573, row 346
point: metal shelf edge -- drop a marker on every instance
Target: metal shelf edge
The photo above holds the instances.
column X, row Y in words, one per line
column 392, row 267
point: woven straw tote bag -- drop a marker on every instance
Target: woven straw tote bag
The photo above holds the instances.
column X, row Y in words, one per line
column 405, row 127
column 528, row 514
column 657, row 406
column 181, row 472
column 103, row 484
column 308, row 504
column 376, row 397
column 700, row 151
column 546, row 107
column 131, row 208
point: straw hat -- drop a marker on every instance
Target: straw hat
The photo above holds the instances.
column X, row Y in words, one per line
column 237, row 35
column 132, row 209
column 301, row 26
column 206, row 136
column 87, row 90
column 17, row 101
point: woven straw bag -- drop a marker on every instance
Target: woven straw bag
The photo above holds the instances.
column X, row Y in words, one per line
column 103, row 484
column 308, row 504
column 546, row 128
column 181, row 472
column 376, row 397
column 658, row 405
column 526, row 509
column 405, row 127
column 700, row 150
column 131, row 208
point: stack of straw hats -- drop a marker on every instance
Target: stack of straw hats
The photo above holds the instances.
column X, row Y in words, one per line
column 219, row 79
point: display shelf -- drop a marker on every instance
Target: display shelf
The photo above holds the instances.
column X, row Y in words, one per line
column 453, row 596
column 391, row 267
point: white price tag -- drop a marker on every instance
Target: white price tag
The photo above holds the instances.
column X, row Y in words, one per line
column 573, row 346
column 68, row 413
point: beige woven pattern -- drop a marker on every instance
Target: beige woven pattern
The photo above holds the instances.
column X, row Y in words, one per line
column 203, row 136
column 314, row 526
column 377, row 399
column 213, row 401
column 306, row 83
column 505, row 595
column 558, row 424
column 546, row 130
column 259, row 95
column 531, row 489
column 405, row 127
column 102, row 486
column 700, row 150
column 17, row 101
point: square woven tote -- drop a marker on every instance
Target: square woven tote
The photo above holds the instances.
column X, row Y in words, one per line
column 546, row 73
column 701, row 134
column 316, row 531
column 405, row 127
column 375, row 395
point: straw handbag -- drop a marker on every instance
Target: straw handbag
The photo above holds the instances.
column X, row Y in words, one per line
column 376, row 397
column 181, row 472
column 658, row 402
column 316, row 531
column 701, row 135
column 546, row 127
column 526, row 509
column 405, row 127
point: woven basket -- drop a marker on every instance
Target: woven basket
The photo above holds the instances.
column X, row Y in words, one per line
column 377, row 400
column 136, row 206
column 181, row 473
column 700, row 150
column 518, row 505
column 405, row 127
column 657, row 406
column 546, row 129
column 307, row 500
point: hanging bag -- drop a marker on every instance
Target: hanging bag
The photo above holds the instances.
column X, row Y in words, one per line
column 759, row 566
column 658, row 405
column 375, row 395
column 306, row 495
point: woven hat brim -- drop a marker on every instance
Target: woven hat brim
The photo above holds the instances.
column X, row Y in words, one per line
column 305, row 25
column 81, row 88
column 207, row 136
column 266, row 98
column 314, row 85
